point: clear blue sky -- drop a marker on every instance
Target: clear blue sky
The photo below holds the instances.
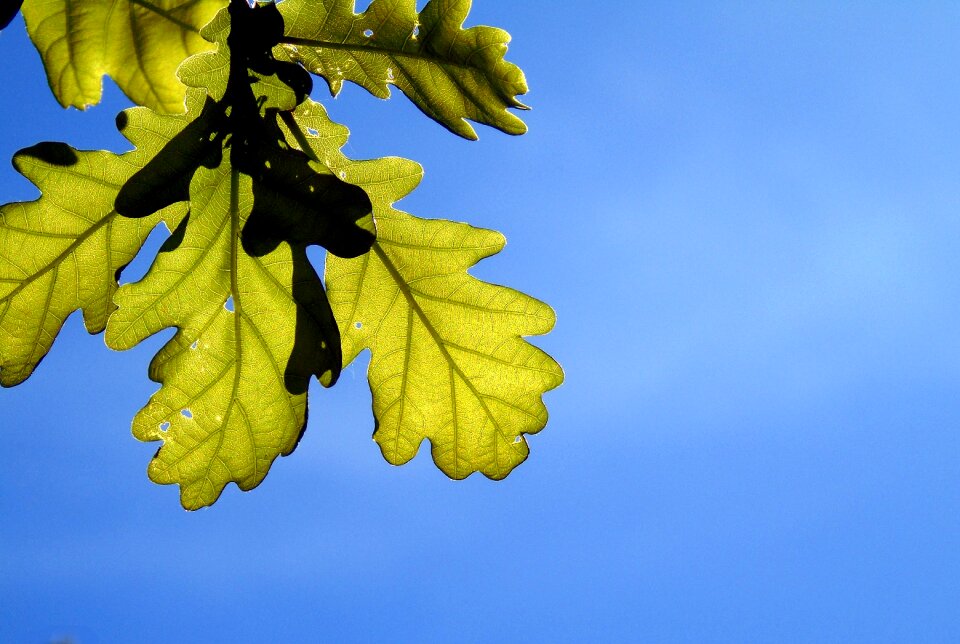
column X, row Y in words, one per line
column 747, row 216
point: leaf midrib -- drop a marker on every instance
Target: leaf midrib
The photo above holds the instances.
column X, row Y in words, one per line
column 149, row 6
column 418, row 56
column 80, row 240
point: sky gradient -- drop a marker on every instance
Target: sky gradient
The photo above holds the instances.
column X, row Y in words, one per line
column 746, row 218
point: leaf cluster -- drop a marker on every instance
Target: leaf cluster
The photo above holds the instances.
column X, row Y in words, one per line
column 245, row 170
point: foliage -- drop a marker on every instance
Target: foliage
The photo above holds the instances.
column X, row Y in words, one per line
column 138, row 43
column 233, row 157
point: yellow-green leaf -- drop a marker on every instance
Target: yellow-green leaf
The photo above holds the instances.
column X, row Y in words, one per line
column 247, row 179
column 450, row 73
column 138, row 43
column 449, row 362
column 253, row 322
column 251, row 331
column 61, row 253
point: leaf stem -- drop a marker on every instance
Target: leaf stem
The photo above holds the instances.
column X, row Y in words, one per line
column 235, row 242
column 298, row 134
column 396, row 53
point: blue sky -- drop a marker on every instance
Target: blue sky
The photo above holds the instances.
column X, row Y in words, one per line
column 746, row 217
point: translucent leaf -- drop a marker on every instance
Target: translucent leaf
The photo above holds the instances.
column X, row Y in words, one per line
column 249, row 177
column 448, row 360
column 450, row 73
column 251, row 330
column 138, row 43
column 59, row 253
column 253, row 322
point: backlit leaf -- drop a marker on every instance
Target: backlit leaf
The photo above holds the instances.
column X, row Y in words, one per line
column 247, row 178
column 450, row 73
column 448, row 362
column 61, row 253
column 138, row 43
column 253, row 322
column 235, row 377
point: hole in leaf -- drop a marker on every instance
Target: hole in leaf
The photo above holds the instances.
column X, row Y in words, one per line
column 164, row 426
column 358, row 325
column 312, row 132
column 368, row 33
column 517, row 439
column 343, row 175
column 186, row 413
column 389, row 73
column 416, row 30
column 229, row 304
column 196, row 343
